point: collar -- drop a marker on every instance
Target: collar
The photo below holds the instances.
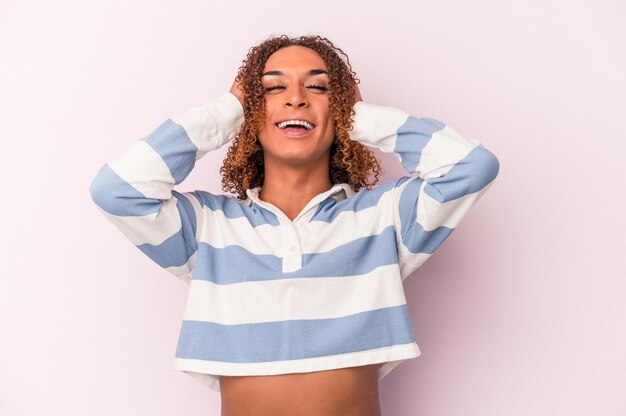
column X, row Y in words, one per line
column 338, row 191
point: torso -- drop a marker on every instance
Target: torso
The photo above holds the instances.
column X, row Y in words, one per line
column 351, row 391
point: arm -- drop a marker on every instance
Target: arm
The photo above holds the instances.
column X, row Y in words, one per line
column 135, row 190
column 449, row 175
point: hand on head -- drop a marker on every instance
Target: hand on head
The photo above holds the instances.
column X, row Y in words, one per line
column 237, row 91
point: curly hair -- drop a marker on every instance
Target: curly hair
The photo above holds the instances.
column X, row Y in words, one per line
column 350, row 161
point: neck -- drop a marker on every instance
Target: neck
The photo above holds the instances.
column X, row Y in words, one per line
column 291, row 187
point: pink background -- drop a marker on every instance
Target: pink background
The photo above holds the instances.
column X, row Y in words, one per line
column 521, row 312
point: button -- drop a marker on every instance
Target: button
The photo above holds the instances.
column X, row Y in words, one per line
column 292, row 248
column 296, row 224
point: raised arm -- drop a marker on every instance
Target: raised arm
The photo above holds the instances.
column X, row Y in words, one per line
column 449, row 175
column 135, row 190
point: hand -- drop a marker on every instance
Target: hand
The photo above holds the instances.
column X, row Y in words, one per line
column 237, row 91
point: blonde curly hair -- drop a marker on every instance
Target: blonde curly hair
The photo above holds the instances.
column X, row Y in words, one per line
column 350, row 162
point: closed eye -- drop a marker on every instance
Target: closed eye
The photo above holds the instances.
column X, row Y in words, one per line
column 317, row 87
column 273, row 88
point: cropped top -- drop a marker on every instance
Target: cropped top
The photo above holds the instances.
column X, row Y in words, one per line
column 268, row 295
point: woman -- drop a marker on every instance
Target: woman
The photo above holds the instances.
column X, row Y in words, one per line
column 296, row 303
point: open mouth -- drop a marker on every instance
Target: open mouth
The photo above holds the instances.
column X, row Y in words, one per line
column 295, row 124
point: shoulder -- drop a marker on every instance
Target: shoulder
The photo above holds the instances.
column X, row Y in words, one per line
column 221, row 202
column 229, row 207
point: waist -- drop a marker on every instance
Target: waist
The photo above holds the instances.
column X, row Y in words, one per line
column 351, row 391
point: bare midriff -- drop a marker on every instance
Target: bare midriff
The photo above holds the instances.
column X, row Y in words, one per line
column 351, row 391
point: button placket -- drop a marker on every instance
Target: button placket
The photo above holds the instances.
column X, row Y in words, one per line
column 292, row 242
column 292, row 257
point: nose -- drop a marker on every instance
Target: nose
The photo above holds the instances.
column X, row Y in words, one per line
column 296, row 98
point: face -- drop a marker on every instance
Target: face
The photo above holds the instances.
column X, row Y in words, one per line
column 298, row 123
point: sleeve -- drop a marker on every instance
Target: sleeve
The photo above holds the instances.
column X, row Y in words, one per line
column 449, row 174
column 135, row 190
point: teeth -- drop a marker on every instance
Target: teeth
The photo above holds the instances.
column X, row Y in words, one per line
column 285, row 123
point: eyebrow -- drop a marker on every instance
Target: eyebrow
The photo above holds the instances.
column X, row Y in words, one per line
column 311, row 72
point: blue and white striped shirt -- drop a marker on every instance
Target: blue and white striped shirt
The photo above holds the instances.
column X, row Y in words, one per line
column 268, row 295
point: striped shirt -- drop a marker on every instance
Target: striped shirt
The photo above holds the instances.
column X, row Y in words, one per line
column 269, row 295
